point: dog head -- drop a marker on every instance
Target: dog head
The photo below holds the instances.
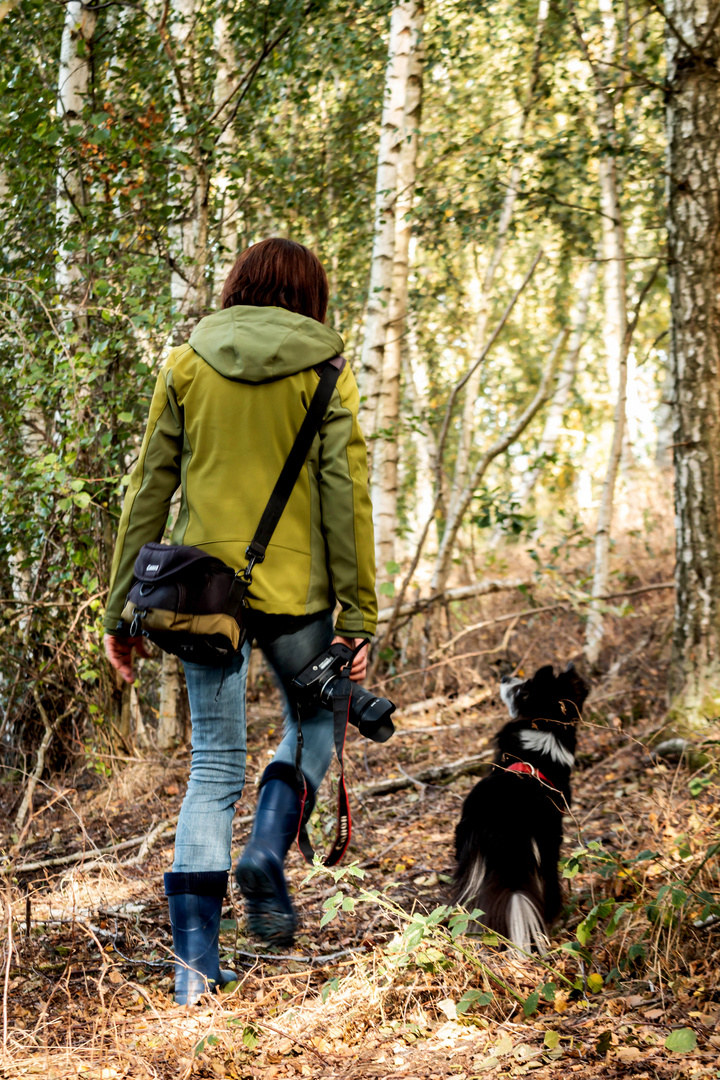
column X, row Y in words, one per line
column 545, row 697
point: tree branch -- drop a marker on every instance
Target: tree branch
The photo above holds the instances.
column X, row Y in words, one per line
column 441, row 444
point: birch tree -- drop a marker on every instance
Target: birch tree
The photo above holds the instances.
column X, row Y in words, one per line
column 693, row 189
column 615, row 323
column 383, row 249
column 387, row 446
column 73, row 80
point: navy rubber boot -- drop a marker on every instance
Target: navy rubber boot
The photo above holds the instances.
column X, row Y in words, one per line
column 259, row 872
column 195, row 901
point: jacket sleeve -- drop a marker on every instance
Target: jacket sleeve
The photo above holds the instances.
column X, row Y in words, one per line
column 346, row 511
column 153, row 482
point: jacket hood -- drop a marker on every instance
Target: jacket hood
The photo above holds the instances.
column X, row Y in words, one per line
column 261, row 344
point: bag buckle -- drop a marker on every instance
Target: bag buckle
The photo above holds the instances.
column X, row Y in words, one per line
column 253, row 557
column 135, row 625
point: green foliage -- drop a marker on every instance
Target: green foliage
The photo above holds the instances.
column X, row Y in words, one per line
column 119, row 221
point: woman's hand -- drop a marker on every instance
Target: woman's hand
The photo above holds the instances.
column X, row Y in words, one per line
column 119, row 652
column 358, row 670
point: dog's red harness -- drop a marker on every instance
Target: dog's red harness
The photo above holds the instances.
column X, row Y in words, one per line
column 523, row 767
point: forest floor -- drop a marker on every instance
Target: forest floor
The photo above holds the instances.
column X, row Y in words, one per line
column 383, row 989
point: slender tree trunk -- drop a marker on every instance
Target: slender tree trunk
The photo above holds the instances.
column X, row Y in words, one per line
column 73, row 81
column 386, row 448
column 513, row 432
column 189, row 232
column 171, row 719
column 227, row 229
column 693, row 135
column 424, row 446
column 188, row 236
column 383, row 253
column 615, row 322
column 485, row 285
column 566, row 378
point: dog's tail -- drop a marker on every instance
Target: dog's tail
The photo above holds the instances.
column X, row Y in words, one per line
column 525, row 924
column 514, row 914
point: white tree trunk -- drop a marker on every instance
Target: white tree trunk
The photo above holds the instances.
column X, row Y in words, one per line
column 424, row 446
column 228, row 210
column 615, row 322
column 171, row 715
column 566, row 378
column 383, row 252
column 188, row 240
column 386, row 448
column 73, row 80
column 484, row 286
column 693, row 185
column 189, row 231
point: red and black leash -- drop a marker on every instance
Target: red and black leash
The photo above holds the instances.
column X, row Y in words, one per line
column 341, row 702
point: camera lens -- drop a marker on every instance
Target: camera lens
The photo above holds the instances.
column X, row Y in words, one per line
column 372, row 715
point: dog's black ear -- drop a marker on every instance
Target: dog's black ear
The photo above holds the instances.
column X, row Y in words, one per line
column 543, row 676
column 573, row 685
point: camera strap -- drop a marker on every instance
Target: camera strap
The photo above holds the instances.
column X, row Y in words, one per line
column 341, row 700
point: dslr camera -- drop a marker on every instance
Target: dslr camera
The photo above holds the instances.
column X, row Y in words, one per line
column 318, row 682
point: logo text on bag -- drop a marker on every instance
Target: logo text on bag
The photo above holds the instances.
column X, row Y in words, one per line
column 152, row 566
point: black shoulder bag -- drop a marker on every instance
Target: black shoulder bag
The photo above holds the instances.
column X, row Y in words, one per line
column 190, row 603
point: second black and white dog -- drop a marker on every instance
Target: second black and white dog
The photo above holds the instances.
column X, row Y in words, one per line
column 507, row 843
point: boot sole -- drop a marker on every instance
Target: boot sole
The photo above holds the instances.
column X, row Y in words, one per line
column 265, row 918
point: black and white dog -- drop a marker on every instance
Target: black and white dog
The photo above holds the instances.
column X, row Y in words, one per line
column 507, row 842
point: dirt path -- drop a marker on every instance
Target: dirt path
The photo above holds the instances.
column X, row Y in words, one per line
column 381, row 989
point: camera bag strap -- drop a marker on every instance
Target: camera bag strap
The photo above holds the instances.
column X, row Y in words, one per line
column 341, row 700
column 255, row 552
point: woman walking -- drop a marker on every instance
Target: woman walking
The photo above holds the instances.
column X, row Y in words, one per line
column 224, row 415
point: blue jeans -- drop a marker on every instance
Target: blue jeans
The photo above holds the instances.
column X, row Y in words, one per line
column 217, row 710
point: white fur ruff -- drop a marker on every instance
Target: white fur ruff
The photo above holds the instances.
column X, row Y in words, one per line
column 544, row 742
column 525, row 924
column 475, row 880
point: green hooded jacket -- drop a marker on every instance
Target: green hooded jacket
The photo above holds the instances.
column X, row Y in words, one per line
column 224, row 415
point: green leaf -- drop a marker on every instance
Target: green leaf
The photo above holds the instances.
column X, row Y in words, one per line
column 387, row 588
column 551, row 1039
column 392, row 567
column 681, row 1041
column 208, row 1040
column 603, row 1043
column 125, row 417
column 548, row 991
column 329, row 988
column 595, row 982
column 474, row 997
column 530, row 1003
column 250, row 1037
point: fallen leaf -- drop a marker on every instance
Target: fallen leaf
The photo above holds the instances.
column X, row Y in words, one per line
column 628, row 1053
column 449, row 1008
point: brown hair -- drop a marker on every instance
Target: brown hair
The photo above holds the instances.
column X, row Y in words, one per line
column 278, row 273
